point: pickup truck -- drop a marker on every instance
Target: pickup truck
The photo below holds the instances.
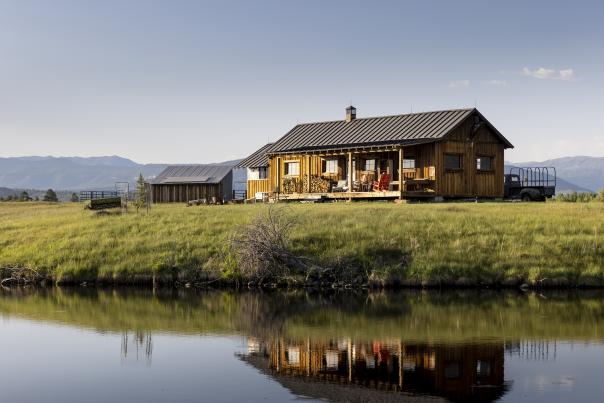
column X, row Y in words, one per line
column 530, row 183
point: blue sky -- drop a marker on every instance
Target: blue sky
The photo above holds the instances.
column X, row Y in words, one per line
column 192, row 81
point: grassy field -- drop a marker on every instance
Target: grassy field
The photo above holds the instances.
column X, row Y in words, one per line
column 429, row 244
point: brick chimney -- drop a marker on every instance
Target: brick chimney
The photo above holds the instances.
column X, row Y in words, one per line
column 351, row 113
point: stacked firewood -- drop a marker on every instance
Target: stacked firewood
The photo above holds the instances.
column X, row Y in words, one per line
column 317, row 184
column 292, row 185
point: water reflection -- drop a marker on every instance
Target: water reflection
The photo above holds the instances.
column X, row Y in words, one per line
column 410, row 346
column 471, row 372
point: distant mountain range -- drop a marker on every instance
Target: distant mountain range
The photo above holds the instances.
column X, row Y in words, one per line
column 584, row 172
column 78, row 173
column 74, row 173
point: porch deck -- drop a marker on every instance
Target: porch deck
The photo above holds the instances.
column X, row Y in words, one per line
column 385, row 195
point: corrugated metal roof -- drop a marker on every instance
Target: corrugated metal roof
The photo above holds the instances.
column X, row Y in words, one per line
column 258, row 159
column 386, row 130
column 192, row 174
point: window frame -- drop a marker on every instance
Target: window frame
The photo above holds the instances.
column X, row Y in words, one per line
column 374, row 162
column 286, row 168
column 479, row 157
column 327, row 162
column 407, row 160
column 459, row 156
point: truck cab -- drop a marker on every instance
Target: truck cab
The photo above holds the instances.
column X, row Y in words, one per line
column 530, row 183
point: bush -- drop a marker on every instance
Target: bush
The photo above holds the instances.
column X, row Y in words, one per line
column 263, row 248
column 600, row 196
column 574, row 197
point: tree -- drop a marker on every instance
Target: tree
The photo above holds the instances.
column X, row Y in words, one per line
column 141, row 192
column 36, row 198
column 24, row 196
column 74, row 198
column 50, row 196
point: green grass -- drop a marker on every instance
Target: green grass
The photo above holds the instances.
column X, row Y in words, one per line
column 449, row 243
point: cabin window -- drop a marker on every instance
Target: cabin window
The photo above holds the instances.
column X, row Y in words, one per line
column 483, row 369
column 484, row 163
column 452, row 370
column 370, row 165
column 453, row 161
column 408, row 163
column 292, row 168
column 292, row 355
column 257, row 173
column 330, row 166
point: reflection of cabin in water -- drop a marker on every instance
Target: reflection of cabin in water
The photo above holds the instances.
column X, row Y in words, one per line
column 471, row 372
column 443, row 154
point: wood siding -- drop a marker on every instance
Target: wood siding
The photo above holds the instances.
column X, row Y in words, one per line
column 468, row 181
column 258, row 185
column 182, row 193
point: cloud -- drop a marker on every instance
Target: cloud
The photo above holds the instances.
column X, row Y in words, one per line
column 459, row 84
column 549, row 74
column 498, row 83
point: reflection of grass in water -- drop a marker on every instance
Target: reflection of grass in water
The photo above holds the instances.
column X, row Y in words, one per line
column 466, row 243
column 421, row 316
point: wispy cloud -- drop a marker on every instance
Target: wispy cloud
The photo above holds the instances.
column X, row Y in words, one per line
column 459, row 84
column 549, row 74
column 498, row 83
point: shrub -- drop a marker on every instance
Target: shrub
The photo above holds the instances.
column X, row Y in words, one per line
column 574, row 197
column 263, row 248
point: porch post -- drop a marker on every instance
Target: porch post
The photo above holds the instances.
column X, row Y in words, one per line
column 350, row 171
column 400, row 173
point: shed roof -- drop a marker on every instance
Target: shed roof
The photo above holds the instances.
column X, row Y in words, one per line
column 385, row 130
column 175, row 174
column 258, row 159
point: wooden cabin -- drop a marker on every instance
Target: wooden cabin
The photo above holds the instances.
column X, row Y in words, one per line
column 454, row 153
column 182, row 183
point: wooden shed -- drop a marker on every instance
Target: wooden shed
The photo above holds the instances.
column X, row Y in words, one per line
column 454, row 153
column 182, row 183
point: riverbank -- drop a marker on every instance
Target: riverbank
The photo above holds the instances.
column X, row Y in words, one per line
column 375, row 244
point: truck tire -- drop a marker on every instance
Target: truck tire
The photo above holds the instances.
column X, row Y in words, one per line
column 526, row 197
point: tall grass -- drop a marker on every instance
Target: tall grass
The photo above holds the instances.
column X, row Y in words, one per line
column 429, row 244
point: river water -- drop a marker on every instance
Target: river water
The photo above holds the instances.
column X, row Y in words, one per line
column 89, row 345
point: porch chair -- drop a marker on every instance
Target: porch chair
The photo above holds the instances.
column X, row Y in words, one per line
column 383, row 183
column 341, row 186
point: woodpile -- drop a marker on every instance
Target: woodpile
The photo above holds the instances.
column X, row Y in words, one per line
column 200, row 202
column 317, row 184
column 292, row 185
column 105, row 203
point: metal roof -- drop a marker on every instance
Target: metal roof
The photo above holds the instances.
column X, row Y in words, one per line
column 175, row 174
column 258, row 159
column 386, row 130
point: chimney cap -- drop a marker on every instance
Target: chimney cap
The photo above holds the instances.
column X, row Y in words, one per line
column 351, row 109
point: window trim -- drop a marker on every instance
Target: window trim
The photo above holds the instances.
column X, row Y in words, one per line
column 285, row 168
column 460, row 155
column 326, row 161
column 375, row 165
column 491, row 157
column 410, row 159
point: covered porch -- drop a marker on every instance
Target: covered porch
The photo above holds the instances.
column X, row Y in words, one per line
column 365, row 173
